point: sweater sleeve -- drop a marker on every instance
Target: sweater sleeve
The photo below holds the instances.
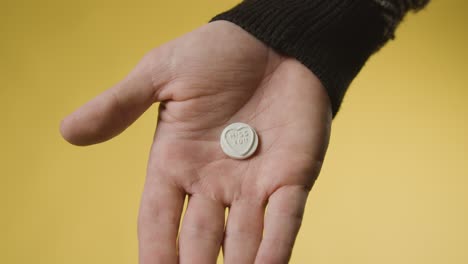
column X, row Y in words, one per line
column 333, row 38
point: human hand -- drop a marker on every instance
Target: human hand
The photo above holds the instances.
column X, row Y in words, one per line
column 205, row 80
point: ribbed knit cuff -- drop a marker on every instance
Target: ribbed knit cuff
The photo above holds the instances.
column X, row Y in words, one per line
column 333, row 38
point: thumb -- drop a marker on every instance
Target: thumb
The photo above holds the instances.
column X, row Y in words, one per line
column 111, row 112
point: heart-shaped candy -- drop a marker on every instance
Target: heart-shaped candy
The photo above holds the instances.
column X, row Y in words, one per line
column 239, row 140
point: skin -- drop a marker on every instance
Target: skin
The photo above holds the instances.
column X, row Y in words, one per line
column 205, row 80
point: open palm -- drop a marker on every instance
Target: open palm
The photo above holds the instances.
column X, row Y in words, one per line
column 204, row 81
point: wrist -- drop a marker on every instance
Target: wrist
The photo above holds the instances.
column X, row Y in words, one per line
column 332, row 38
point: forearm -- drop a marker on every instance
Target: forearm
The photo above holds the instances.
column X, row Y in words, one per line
column 333, row 38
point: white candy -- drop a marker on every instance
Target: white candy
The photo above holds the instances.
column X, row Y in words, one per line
column 239, row 140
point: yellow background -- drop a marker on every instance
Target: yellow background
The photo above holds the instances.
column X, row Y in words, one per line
column 394, row 187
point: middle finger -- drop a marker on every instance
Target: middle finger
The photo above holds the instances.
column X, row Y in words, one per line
column 202, row 231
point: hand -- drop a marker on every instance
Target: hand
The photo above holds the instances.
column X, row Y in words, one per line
column 205, row 80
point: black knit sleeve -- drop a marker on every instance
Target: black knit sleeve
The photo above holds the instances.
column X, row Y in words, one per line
column 333, row 38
